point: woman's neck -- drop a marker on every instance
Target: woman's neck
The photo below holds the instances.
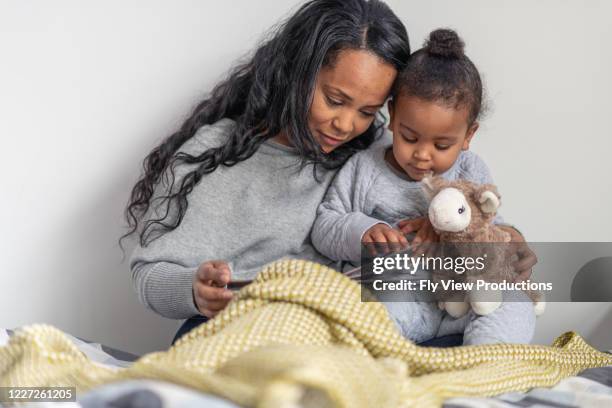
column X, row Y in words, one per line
column 282, row 138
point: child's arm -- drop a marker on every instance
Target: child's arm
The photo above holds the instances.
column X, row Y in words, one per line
column 341, row 218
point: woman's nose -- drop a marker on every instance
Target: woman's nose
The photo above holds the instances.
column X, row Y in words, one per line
column 343, row 123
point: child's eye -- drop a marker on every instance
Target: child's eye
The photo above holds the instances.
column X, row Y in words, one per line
column 409, row 139
column 332, row 101
column 442, row 147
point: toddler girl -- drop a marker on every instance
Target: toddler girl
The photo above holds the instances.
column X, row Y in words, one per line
column 434, row 114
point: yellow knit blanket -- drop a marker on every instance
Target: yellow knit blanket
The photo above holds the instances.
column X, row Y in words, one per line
column 300, row 336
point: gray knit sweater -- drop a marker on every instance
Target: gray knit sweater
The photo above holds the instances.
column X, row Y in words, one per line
column 250, row 214
column 368, row 191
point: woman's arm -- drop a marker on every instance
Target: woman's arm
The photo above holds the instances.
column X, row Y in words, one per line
column 163, row 271
column 166, row 288
column 526, row 257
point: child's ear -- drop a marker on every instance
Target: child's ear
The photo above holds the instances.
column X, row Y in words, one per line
column 469, row 135
column 391, row 113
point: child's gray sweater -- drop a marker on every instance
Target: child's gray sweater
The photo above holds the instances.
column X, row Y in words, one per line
column 368, row 191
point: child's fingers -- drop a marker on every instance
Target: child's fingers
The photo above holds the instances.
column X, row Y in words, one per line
column 368, row 243
column 402, row 240
column 419, row 238
column 393, row 238
column 366, row 239
column 380, row 241
column 377, row 236
column 419, row 244
column 432, row 238
column 370, row 248
column 401, row 224
column 430, row 241
column 421, row 249
column 408, row 226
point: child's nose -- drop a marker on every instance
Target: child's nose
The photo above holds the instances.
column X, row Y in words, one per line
column 421, row 154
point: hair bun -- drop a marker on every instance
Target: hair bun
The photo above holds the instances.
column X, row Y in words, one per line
column 444, row 43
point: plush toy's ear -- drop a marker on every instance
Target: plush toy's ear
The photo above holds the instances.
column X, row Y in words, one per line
column 488, row 198
column 431, row 185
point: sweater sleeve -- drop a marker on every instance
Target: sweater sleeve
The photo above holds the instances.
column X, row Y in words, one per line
column 163, row 280
column 341, row 217
column 165, row 288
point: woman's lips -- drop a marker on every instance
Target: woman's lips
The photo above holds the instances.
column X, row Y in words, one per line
column 330, row 141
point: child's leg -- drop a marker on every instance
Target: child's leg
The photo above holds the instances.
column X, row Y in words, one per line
column 416, row 321
column 512, row 322
column 450, row 325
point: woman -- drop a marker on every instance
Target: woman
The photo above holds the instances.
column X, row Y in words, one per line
column 240, row 181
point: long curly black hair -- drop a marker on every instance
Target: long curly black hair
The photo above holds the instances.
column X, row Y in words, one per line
column 270, row 93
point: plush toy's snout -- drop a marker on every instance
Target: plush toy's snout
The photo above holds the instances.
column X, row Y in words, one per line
column 450, row 211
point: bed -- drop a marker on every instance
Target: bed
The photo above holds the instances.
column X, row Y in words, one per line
column 303, row 327
column 590, row 388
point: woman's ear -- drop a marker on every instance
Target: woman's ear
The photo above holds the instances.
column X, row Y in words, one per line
column 469, row 135
column 391, row 113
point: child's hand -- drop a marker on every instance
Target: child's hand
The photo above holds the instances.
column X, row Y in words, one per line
column 209, row 292
column 385, row 238
column 425, row 232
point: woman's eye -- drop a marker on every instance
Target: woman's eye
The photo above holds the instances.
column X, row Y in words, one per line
column 333, row 102
column 368, row 114
column 461, row 210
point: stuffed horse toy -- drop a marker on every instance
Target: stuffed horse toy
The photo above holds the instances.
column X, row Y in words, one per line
column 462, row 213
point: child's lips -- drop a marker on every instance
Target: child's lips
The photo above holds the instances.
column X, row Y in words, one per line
column 418, row 170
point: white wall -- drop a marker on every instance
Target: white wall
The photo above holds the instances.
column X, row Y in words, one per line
column 87, row 90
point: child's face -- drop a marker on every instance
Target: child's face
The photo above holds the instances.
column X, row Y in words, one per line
column 427, row 136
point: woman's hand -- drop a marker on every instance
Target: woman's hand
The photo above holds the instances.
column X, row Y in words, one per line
column 385, row 238
column 209, row 292
column 526, row 257
column 424, row 231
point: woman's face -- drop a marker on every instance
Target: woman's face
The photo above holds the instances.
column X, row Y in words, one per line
column 347, row 96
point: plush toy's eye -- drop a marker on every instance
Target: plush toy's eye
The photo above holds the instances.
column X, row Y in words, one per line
column 461, row 210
